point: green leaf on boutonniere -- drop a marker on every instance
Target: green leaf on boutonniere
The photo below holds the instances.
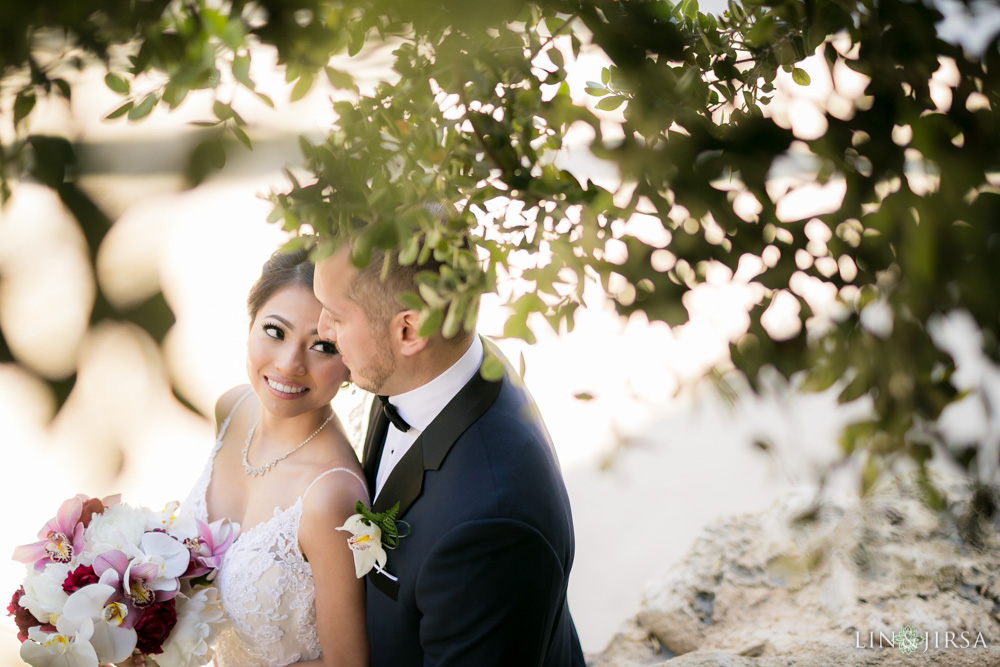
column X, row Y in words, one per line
column 387, row 523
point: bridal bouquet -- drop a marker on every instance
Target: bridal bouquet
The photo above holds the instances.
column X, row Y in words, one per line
column 107, row 580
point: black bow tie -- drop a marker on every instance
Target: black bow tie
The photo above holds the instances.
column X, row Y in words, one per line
column 393, row 414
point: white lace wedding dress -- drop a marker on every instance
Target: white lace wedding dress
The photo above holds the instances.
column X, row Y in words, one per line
column 265, row 584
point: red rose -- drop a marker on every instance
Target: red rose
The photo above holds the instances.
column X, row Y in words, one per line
column 154, row 627
column 80, row 577
column 22, row 617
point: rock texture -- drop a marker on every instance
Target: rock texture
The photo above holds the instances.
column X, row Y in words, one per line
column 815, row 584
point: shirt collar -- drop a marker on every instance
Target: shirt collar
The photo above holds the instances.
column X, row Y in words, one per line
column 420, row 406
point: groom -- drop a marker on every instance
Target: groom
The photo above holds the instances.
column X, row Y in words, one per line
column 481, row 577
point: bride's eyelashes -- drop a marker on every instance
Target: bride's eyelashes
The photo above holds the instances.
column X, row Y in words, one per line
column 273, row 330
column 322, row 346
column 326, row 347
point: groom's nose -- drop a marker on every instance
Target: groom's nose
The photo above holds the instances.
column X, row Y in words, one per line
column 325, row 327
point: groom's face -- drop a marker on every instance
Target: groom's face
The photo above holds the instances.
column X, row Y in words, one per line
column 365, row 349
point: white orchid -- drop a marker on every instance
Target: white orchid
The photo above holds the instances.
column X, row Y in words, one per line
column 366, row 543
column 91, row 605
column 43, row 595
column 181, row 525
column 170, row 556
column 69, row 646
column 199, row 618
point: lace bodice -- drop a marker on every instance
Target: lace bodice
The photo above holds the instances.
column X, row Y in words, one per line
column 265, row 584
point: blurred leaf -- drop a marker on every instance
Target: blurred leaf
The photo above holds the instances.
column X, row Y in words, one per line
column 52, row 157
column 410, row 301
column 430, row 321
column 242, row 136
column 241, row 70
column 24, row 102
column 556, row 56
column 142, row 109
column 595, row 89
column 207, row 157
column 610, row 103
column 64, row 89
column 153, row 315
column 266, row 99
column 492, row 369
column 302, row 87
column 120, row 111
column 117, row 83
column 339, row 79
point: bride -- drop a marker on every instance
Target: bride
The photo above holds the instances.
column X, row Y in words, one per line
column 283, row 468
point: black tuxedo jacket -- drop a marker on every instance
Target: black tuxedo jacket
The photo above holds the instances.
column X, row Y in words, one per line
column 482, row 574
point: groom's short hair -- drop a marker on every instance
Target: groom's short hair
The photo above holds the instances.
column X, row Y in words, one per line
column 378, row 297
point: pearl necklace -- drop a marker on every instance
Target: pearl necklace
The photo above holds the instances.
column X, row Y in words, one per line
column 257, row 471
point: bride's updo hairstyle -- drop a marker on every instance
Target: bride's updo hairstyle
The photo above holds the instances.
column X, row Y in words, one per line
column 281, row 270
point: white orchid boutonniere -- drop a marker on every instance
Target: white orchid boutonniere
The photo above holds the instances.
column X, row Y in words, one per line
column 371, row 534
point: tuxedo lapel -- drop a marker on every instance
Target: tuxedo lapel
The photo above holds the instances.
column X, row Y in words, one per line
column 378, row 425
column 432, row 446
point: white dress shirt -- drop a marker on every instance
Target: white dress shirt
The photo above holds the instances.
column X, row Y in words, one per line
column 419, row 407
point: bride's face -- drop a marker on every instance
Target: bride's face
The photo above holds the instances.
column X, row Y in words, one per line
column 292, row 369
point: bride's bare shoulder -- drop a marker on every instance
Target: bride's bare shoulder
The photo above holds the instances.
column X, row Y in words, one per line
column 225, row 404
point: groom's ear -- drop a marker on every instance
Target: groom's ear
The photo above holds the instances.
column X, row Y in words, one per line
column 406, row 325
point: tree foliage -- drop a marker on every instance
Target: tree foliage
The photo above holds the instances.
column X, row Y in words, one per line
column 480, row 106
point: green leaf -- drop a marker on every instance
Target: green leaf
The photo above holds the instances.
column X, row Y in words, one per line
column 173, row 95
column 453, row 320
column 63, row 87
column 117, row 83
column 207, row 156
column 222, row 110
column 430, row 321
column 556, row 56
column 606, row 75
column 301, row 88
column 492, row 368
column 610, row 103
column 234, row 33
column 266, row 99
column 357, row 35
column 23, row 104
column 584, row 396
column 410, row 301
column 120, row 111
column 800, row 76
column 596, row 89
column 241, row 71
column 339, row 79
column 242, row 136
column 142, row 109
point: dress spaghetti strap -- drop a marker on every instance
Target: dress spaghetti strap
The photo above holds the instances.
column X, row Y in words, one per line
column 324, row 474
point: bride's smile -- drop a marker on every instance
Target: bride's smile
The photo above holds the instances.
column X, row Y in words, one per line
column 285, row 389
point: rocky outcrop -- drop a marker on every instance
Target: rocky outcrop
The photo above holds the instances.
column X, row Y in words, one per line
column 823, row 584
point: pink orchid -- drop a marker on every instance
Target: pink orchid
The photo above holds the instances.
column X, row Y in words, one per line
column 144, row 577
column 209, row 547
column 61, row 537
